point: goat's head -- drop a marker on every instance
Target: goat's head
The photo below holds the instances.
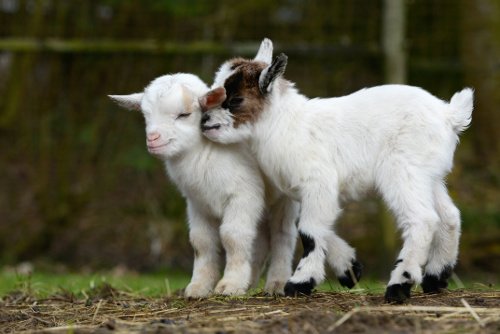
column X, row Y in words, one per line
column 240, row 91
column 171, row 110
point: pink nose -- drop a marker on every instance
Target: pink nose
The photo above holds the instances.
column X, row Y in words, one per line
column 153, row 136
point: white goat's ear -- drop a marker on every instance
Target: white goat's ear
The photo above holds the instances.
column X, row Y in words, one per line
column 130, row 102
column 265, row 53
column 272, row 72
column 212, row 99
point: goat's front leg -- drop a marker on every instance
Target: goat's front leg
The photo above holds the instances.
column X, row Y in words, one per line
column 204, row 238
column 237, row 233
column 319, row 210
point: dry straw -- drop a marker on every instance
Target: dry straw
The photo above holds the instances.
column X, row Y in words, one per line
column 338, row 312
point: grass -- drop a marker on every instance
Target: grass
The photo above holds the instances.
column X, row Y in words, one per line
column 43, row 284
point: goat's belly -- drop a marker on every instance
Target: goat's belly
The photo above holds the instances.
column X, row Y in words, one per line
column 283, row 186
column 293, row 193
column 355, row 188
column 285, row 183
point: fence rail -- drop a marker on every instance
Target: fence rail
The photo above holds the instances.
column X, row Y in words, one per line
column 150, row 46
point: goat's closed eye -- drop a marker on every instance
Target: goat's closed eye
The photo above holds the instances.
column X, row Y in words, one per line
column 183, row 115
column 235, row 101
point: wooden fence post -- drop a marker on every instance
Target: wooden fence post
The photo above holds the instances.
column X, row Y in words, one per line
column 393, row 35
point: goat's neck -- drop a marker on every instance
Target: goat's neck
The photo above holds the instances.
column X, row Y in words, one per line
column 275, row 137
column 191, row 157
column 280, row 119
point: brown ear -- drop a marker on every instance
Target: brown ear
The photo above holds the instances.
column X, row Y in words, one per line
column 212, row 99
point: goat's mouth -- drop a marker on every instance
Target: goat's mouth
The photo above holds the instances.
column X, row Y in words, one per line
column 158, row 148
column 212, row 132
column 206, row 128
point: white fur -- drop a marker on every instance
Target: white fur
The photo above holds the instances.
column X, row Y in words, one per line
column 224, row 191
column 397, row 139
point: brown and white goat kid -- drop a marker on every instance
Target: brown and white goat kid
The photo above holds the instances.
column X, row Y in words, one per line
column 396, row 139
column 224, row 190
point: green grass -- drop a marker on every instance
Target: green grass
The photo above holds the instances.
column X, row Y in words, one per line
column 43, row 284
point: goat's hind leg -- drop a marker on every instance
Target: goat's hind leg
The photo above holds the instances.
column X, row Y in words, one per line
column 283, row 230
column 261, row 249
column 411, row 199
column 444, row 250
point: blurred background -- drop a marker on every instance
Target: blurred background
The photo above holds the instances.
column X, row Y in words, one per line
column 77, row 186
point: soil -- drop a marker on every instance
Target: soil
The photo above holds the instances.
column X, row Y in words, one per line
column 106, row 310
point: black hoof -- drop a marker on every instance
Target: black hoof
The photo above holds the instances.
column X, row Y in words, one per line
column 347, row 280
column 296, row 289
column 397, row 293
column 435, row 284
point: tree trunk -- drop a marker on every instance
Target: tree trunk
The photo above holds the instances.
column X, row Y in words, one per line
column 481, row 59
column 393, row 34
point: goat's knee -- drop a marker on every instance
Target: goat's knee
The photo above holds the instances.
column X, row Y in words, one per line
column 238, row 239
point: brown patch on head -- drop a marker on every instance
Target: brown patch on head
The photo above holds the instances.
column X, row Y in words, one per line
column 244, row 99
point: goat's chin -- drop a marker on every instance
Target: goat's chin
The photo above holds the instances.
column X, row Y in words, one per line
column 165, row 152
column 222, row 136
column 213, row 135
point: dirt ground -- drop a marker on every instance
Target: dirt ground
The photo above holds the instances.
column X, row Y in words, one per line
column 106, row 310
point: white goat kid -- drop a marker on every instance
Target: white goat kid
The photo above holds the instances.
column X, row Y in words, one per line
column 397, row 139
column 223, row 189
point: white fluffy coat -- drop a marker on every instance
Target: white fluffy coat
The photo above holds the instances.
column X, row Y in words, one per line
column 224, row 190
column 396, row 139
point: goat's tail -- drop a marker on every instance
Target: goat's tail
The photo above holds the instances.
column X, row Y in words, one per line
column 460, row 107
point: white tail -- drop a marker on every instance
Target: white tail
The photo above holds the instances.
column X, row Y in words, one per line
column 461, row 106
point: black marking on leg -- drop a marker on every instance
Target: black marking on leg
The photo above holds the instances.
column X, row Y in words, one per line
column 435, row 284
column 406, row 275
column 302, row 288
column 446, row 273
column 347, row 280
column 397, row 293
column 307, row 243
